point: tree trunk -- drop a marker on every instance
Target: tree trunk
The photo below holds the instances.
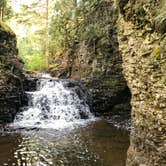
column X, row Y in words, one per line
column 2, row 9
column 47, row 36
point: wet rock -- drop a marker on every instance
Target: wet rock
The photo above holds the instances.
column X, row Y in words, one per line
column 98, row 62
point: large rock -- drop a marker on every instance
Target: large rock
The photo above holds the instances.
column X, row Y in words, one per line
column 98, row 62
column 142, row 42
column 11, row 77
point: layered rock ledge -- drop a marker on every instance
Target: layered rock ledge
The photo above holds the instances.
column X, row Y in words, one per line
column 142, row 43
column 11, row 75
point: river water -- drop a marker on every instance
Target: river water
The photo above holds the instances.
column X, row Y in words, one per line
column 95, row 144
column 58, row 129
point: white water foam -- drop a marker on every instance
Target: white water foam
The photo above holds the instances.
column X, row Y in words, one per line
column 53, row 105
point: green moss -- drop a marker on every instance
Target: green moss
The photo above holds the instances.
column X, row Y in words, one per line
column 156, row 52
column 5, row 28
column 111, row 82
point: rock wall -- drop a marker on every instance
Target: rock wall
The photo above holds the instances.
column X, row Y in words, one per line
column 142, row 43
column 132, row 33
column 11, row 77
column 98, row 62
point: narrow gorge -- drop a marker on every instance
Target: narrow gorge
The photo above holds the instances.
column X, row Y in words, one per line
column 117, row 71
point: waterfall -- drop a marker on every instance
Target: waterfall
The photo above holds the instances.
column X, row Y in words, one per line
column 55, row 104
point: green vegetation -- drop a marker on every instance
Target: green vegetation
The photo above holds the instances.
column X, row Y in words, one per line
column 4, row 27
column 64, row 25
column 36, row 63
column 32, row 53
column 111, row 82
column 30, row 30
column 70, row 23
column 76, row 22
column 6, row 11
column 156, row 52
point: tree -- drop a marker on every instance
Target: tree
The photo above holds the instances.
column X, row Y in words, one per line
column 64, row 26
column 5, row 10
column 47, row 35
column 37, row 15
column 2, row 8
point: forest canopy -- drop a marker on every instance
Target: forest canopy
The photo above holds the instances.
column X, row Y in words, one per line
column 51, row 28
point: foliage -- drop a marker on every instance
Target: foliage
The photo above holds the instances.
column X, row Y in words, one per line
column 71, row 23
column 5, row 27
column 32, row 52
column 6, row 11
column 63, row 26
column 74, row 22
column 156, row 52
column 31, row 37
column 36, row 63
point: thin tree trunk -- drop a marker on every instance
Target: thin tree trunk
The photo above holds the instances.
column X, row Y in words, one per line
column 2, row 8
column 76, row 24
column 47, row 36
column 1, row 13
column 75, row 13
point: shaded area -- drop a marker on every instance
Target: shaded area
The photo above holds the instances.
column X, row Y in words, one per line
column 11, row 75
column 97, row 60
column 97, row 144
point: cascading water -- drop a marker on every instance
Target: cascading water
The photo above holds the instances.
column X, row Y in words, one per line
column 55, row 104
column 56, row 129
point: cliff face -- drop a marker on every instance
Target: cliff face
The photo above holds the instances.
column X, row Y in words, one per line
column 11, row 76
column 142, row 43
column 129, row 43
column 98, row 61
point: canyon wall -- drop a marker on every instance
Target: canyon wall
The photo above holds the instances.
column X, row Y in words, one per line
column 98, row 61
column 11, row 77
column 127, row 41
column 142, row 43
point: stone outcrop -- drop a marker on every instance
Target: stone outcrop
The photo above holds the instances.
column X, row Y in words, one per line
column 98, row 62
column 11, row 77
column 132, row 33
column 142, row 43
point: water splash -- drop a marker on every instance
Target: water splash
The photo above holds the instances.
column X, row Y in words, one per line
column 54, row 104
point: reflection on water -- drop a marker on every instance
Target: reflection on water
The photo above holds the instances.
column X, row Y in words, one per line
column 97, row 144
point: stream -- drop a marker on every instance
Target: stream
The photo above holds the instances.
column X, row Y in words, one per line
column 58, row 129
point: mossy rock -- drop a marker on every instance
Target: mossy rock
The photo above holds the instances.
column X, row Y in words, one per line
column 111, row 82
column 4, row 28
